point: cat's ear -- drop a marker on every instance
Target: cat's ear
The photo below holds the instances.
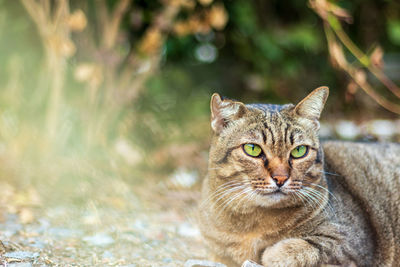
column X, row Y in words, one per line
column 224, row 111
column 311, row 106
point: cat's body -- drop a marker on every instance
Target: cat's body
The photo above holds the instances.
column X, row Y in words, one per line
column 338, row 203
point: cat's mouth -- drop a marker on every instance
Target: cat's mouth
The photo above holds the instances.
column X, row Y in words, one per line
column 270, row 192
column 277, row 197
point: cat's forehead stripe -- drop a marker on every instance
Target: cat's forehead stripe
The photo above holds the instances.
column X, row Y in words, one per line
column 286, row 132
column 271, row 133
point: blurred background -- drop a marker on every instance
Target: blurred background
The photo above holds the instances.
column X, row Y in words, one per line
column 104, row 110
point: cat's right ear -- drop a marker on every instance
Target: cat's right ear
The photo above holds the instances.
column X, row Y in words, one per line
column 224, row 111
column 311, row 106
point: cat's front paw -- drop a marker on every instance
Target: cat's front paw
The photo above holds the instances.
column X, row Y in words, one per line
column 291, row 252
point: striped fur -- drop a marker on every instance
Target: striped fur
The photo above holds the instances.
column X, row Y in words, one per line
column 319, row 215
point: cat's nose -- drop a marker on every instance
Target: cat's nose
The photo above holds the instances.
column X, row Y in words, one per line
column 280, row 180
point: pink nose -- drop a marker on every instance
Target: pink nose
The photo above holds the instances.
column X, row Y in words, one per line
column 280, row 179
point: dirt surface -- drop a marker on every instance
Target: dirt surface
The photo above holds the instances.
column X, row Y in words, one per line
column 85, row 211
column 135, row 226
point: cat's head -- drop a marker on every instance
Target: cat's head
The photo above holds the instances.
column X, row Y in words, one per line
column 265, row 155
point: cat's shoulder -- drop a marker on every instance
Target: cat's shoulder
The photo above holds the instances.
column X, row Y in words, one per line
column 354, row 147
column 361, row 153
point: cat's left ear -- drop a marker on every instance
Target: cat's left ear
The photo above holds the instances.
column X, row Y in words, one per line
column 312, row 106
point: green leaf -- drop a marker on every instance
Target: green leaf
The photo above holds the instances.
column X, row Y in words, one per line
column 393, row 30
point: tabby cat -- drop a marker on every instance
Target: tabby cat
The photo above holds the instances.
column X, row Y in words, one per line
column 277, row 196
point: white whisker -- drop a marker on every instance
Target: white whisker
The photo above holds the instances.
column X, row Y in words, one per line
column 323, row 188
column 226, row 192
column 227, row 201
column 320, row 199
column 309, row 198
column 220, row 189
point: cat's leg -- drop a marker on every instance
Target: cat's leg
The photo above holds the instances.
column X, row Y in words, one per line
column 294, row 252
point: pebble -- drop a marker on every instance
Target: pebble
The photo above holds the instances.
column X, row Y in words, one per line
column 203, row 263
column 107, row 255
column 22, row 255
column 139, row 225
column 100, row 240
column 183, row 178
column 383, row 128
column 167, row 260
column 249, row 263
column 64, row 232
column 10, row 227
column 347, row 129
column 188, row 230
column 38, row 244
column 20, row 264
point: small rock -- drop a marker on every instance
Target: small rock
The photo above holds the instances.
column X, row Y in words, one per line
column 100, row 240
column 20, row 264
column 64, row 232
column 37, row 244
column 167, row 260
column 203, row 263
column 383, row 128
column 22, row 255
column 10, row 227
column 249, row 263
column 139, row 225
column 347, row 129
column 183, row 178
column 107, row 255
column 188, row 230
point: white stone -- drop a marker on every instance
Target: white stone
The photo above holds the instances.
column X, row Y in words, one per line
column 249, row 263
column 347, row 129
column 22, row 255
column 203, row 263
column 100, row 240
column 183, row 178
column 188, row 230
column 383, row 128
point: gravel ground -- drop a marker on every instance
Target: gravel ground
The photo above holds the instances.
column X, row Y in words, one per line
column 93, row 218
column 137, row 228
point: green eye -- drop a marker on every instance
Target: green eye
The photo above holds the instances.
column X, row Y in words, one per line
column 252, row 150
column 299, row 152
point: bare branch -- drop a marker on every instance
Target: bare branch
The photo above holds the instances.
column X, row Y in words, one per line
column 130, row 85
column 365, row 61
column 110, row 24
column 333, row 30
column 46, row 7
column 117, row 15
column 37, row 14
column 55, row 34
column 61, row 12
column 356, row 74
column 102, row 15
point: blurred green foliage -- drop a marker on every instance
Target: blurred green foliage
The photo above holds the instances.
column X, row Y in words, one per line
column 269, row 51
column 274, row 51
